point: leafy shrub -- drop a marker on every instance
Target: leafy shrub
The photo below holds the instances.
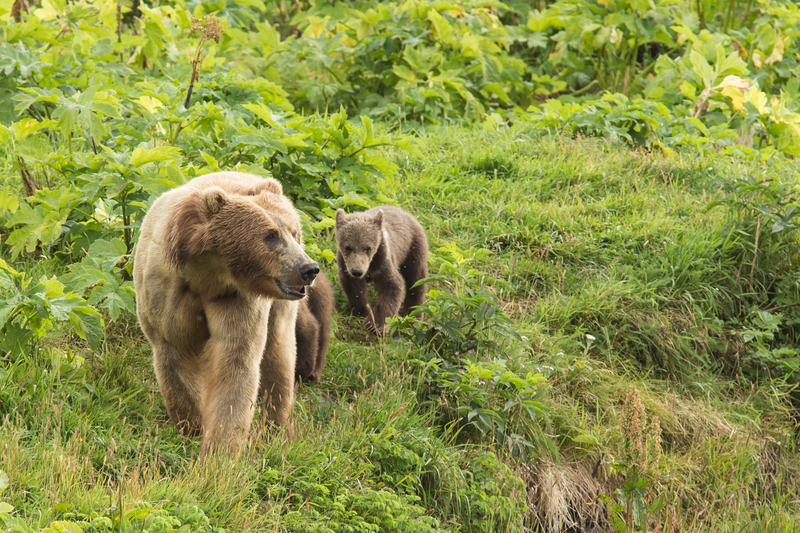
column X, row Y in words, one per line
column 414, row 60
column 30, row 310
column 456, row 331
column 609, row 45
column 317, row 503
column 614, row 116
column 163, row 518
column 461, row 320
column 507, row 407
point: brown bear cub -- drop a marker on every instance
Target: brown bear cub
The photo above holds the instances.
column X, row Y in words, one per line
column 385, row 246
column 219, row 273
column 314, row 329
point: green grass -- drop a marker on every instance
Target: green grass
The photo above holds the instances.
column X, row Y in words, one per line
column 586, row 239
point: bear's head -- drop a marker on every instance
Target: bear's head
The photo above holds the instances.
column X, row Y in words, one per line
column 255, row 236
column 358, row 237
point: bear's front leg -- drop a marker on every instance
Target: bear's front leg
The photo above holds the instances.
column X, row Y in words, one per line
column 238, row 328
column 278, row 362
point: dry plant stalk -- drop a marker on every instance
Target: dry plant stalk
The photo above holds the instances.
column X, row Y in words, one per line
column 209, row 29
column 27, row 178
column 17, row 9
column 641, row 446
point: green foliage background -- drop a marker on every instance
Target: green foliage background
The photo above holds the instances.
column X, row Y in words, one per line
column 610, row 192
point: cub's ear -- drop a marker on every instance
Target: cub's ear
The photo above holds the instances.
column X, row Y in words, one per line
column 213, row 200
column 377, row 219
column 341, row 218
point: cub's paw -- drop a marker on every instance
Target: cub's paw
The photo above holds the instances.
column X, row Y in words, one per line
column 372, row 328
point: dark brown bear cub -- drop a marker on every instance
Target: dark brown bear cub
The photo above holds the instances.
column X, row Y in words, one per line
column 313, row 330
column 385, row 246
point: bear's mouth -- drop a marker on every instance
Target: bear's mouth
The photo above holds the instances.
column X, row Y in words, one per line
column 296, row 293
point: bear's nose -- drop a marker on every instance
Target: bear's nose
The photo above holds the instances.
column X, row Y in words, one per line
column 357, row 273
column 308, row 272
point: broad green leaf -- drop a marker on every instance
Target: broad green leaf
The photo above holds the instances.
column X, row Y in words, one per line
column 442, row 29
column 38, row 225
column 61, row 306
column 701, row 67
column 63, row 527
column 585, row 438
column 777, row 51
column 88, row 324
column 28, row 126
column 295, row 141
column 498, row 90
column 699, row 125
column 142, row 156
column 210, row 161
column 758, row 99
column 264, row 113
column 114, row 297
column 403, row 72
column 9, row 201
column 150, row 104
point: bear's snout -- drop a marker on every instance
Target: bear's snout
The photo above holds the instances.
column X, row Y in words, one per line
column 308, row 273
column 356, row 272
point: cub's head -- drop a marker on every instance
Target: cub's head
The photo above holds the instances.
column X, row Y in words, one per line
column 358, row 237
column 256, row 236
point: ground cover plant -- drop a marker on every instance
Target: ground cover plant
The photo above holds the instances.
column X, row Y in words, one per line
column 609, row 190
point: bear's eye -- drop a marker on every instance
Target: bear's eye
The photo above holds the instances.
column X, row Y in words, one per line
column 348, row 249
column 271, row 236
column 368, row 249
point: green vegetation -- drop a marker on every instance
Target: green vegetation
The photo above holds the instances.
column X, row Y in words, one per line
column 609, row 189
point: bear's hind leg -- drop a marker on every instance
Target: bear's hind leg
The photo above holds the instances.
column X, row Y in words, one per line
column 390, row 290
column 180, row 385
column 278, row 362
column 307, row 330
column 413, row 271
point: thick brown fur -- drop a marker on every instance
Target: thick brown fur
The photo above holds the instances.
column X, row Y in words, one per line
column 314, row 330
column 385, row 246
column 219, row 272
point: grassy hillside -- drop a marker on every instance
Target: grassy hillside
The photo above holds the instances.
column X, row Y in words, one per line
column 612, row 270
column 609, row 342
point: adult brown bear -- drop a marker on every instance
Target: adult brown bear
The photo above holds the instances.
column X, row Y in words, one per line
column 219, row 271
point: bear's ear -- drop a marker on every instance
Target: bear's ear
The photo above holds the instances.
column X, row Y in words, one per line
column 377, row 219
column 186, row 231
column 214, row 199
column 341, row 218
column 273, row 186
column 267, row 185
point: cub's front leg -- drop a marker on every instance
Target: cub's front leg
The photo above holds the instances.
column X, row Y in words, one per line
column 278, row 362
column 390, row 287
column 238, row 333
